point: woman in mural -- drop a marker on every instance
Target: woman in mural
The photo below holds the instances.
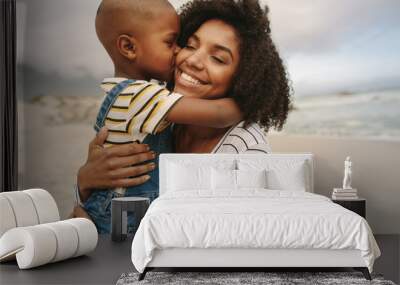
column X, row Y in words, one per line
column 227, row 51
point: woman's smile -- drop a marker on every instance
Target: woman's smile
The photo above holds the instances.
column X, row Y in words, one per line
column 205, row 66
column 187, row 79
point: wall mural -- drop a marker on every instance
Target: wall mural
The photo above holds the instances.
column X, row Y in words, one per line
column 342, row 58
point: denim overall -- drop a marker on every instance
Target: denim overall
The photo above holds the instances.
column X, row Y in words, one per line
column 98, row 206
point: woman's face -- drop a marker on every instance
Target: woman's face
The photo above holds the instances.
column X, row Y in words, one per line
column 206, row 65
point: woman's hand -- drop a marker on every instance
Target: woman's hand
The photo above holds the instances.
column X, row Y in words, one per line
column 113, row 167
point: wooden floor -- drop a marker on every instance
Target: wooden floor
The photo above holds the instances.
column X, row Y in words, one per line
column 110, row 260
column 389, row 262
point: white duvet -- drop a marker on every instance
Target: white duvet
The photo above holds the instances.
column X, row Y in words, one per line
column 250, row 219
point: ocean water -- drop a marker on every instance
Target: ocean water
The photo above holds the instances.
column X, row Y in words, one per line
column 373, row 115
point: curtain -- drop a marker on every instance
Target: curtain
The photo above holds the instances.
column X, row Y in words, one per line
column 8, row 101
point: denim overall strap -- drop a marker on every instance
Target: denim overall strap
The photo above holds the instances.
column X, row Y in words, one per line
column 109, row 101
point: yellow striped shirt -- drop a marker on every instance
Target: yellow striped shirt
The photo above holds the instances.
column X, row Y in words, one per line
column 140, row 109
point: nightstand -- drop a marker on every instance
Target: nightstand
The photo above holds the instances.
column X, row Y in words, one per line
column 358, row 206
column 119, row 215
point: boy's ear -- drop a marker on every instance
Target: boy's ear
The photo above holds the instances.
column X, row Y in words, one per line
column 127, row 46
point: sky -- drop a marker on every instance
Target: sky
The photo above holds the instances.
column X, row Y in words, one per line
column 328, row 46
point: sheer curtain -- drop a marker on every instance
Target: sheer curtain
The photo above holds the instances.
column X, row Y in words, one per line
column 8, row 101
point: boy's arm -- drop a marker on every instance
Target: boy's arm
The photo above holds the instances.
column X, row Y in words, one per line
column 153, row 108
column 217, row 113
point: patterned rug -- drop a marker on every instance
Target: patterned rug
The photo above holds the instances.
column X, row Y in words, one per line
column 243, row 278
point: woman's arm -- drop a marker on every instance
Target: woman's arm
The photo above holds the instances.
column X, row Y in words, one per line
column 217, row 113
column 114, row 166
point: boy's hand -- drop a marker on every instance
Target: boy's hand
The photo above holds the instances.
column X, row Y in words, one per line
column 114, row 166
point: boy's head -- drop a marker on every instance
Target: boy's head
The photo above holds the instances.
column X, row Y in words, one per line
column 140, row 37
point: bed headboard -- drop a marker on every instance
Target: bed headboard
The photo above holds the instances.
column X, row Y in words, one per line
column 192, row 159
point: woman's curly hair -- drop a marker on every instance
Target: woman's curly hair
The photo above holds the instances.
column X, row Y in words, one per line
column 260, row 86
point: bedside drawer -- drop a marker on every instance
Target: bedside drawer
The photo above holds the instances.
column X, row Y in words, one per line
column 358, row 206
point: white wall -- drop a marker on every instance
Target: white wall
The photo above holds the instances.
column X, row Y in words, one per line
column 376, row 172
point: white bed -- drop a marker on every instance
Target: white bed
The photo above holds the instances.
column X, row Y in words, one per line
column 215, row 211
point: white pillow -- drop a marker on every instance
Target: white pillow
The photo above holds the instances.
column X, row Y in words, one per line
column 292, row 179
column 251, row 178
column 223, row 179
column 282, row 174
column 188, row 177
column 226, row 179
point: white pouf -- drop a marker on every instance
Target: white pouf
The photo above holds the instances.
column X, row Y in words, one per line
column 27, row 208
column 40, row 244
column 31, row 232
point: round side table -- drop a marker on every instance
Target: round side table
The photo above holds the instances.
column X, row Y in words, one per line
column 119, row 215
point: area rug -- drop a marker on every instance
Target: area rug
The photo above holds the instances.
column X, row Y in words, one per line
column 244, row 278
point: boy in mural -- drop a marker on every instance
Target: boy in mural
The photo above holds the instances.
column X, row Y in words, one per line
column 140, row 37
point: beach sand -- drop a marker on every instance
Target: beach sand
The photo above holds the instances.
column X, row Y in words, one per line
column 53, row 143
